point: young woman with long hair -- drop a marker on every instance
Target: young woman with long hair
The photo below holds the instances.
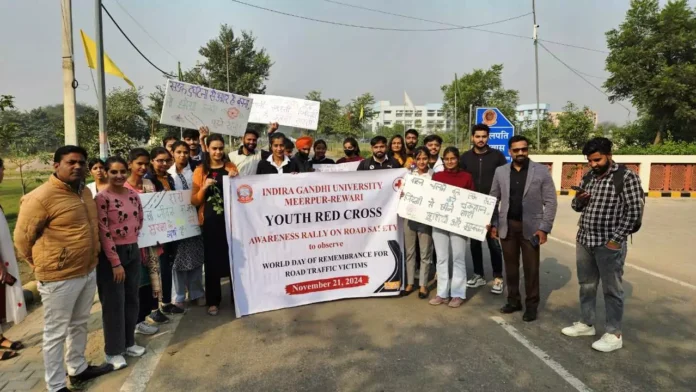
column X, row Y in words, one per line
column 118, row 271
column 207, row 195
column 397, row 150
column 446, row 240
column 188, row 255
column 351, row 149
column 420, row 234
column 98, row 172
column 160, row 161
column 150, row 283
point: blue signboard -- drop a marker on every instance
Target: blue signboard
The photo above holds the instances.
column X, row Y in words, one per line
column 501, row 128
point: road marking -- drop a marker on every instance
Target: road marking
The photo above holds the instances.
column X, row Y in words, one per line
column 555, row 366
column 641, row 269
column 142, row 371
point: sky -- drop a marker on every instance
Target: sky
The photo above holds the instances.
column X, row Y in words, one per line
column 341, row 62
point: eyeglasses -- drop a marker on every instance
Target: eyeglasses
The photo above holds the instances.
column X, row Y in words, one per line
column 163, row 161
column 523, row 149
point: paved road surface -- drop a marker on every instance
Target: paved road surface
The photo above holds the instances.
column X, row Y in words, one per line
column 404, row 344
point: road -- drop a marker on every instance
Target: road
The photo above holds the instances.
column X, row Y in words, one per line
column 404, row 344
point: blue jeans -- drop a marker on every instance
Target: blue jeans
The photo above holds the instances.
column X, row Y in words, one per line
column 191, row 280
column 595, row 263
column 445, row 241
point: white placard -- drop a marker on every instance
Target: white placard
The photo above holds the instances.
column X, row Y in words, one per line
column 191, row 106
column 313, row 237
column 446, row 207
column 167, row 216
column 291, row 112
column 338, row 167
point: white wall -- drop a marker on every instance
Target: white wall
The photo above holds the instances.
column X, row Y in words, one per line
column 645, row 162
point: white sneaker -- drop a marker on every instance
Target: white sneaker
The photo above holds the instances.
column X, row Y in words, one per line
column 476, row 281
column 579, row 329
column 117, row 361
column 135, row 351
column 497, row 286
column 608, row 343
column 144, row 328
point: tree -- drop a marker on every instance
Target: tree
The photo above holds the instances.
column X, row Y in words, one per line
column 480, row 88
column 548, row 132
column 652, row 63
column 6, row 102
column 329, row 112
column 574, row 126
column 155, row 107
column 362, row 103
column 249, row 67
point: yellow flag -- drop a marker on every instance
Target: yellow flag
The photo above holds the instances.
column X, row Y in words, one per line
column 362, row 112
column 91, row 54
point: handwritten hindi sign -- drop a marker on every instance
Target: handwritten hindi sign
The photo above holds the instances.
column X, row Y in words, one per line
column 291, row 112
column 191, row 106
column 446, row 207
column 167, row 216
column 339, row 167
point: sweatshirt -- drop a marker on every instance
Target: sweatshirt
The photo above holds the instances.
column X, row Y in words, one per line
column 482, row 167
column 460, row 179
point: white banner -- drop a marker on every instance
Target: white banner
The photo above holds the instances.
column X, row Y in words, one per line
column 290, row 112
column 339, row 167
column 167, row 216
column 313, row 237
column 191, row 106
column 446, row 207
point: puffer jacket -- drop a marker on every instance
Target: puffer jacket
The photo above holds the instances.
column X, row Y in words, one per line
column 57, row 231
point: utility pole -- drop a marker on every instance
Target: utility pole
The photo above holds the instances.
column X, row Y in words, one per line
column 227, row 63
column 471, row 119
column 536, row 66
column 101, row 82
column 69, row 82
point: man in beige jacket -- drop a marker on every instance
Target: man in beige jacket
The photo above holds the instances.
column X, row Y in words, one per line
column 57, row 234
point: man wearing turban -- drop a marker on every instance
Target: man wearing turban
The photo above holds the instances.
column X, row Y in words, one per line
column 301, row 159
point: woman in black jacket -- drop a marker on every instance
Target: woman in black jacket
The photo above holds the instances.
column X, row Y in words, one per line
column 278, row 162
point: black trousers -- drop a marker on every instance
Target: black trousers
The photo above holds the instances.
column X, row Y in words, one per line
column 496, row 256
column 514, row 245
column 119, row 300
column 166, row 277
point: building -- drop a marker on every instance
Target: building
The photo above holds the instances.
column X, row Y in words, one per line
column 589, row 113
column 527, row 114
column 426, row 118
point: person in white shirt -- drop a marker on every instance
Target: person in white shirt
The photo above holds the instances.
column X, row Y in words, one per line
column 98, row 172
column 278, row 162
column 181, row 170
column 433, row 144
column 247, row 157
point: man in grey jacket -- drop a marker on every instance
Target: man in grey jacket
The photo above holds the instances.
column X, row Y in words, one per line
column 527, row 210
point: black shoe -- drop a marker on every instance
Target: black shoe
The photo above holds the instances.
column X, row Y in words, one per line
column 423, row 295
column 508, row 308
column 90, row 373
column 171, row 309
column 157, row 317
column 66, row 389
column 530, row 315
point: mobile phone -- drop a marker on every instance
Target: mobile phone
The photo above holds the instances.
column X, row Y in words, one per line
column 535, row 241
column 578, row 189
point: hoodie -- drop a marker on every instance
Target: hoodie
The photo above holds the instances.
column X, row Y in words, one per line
column 482, row 167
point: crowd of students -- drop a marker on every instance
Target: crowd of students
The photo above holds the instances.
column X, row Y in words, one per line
column 77, row 246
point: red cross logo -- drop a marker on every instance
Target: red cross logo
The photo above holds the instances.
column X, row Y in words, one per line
column 397, row 184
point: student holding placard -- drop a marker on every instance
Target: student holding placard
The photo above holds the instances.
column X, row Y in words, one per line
column 207, row 195
column 188, row 256
column 446, row 240
column 420, row 234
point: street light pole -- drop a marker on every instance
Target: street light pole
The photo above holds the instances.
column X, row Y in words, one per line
column 101, row 82
column 536, row 66
column 69, row 83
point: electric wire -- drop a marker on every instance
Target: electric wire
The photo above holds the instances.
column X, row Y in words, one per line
column 373, row 27
column 581, row 77
column 118, row 3
column 133, row 45
column 469, row 27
